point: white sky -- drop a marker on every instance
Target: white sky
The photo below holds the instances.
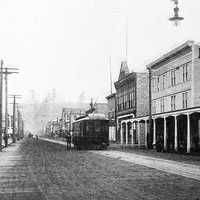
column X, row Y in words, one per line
column 66, row 44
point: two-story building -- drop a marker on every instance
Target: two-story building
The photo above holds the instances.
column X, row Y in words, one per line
column 176, row 98
column 132, row 101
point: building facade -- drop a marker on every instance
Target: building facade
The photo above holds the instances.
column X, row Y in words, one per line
column 53, row 128
column 111, row 99
column 68, row 116
column 176, row 98
column 131, row 102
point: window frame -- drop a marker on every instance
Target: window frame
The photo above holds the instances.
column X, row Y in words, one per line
column 173, row 102
column 173, row 77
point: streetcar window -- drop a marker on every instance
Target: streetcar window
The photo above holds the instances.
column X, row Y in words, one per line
column 81, row 129
column 98, row 126
column 89, row 127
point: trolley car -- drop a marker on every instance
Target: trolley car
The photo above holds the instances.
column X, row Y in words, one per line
column 91, row 132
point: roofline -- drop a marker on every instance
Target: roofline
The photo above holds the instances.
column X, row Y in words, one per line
column 110, row 95
column 89, row 119
column 188, row 43
column 125, row 78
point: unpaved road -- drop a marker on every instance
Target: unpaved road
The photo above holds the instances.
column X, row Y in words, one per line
column 183, row 169
column 37, row 170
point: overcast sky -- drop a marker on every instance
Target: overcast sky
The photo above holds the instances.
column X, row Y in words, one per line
column 66, row 44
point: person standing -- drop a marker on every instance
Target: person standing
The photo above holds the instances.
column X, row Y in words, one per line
column 5, row 140
column 68, row 140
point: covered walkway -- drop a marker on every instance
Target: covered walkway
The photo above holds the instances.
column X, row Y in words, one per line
column 176, row 130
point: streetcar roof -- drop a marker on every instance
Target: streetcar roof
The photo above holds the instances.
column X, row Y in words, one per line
column 92, row 116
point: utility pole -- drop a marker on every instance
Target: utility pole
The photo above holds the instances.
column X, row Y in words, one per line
column 6, row 103
column 1, row 101
column 126, row 40
column 14, row 117
column 19, row 123
column 110, row 75
column 150, row 111
column 21, row 127
column 14, row 102
column 22, row 133
column 6, row 72
column 116, row 124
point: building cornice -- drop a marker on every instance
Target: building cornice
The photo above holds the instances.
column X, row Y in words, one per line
column 187, row 111
column 127, row 78
column 168, row 57
column 126, row 112
column 111, row 96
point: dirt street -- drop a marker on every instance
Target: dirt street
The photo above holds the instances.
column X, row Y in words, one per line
column 38, row 170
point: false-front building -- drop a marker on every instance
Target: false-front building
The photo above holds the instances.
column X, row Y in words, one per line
column 131, row 102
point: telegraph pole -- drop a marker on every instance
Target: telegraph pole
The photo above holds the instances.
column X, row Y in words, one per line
column 7, row 71
column 1, row 101
column 19, row 123
column 6, row 103
column 22, row 128
column 110, row 75
column 14, row 117
column 150, row 112
column 14, row 102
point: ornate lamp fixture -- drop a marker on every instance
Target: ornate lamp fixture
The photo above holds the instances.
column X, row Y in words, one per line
column 176, row 18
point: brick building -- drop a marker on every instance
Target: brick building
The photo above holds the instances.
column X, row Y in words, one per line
column 132, row 101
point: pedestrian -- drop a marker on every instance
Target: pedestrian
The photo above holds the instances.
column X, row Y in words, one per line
column 68, row 140
column 5, row 140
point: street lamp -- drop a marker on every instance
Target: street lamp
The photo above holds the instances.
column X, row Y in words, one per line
column 176, row 18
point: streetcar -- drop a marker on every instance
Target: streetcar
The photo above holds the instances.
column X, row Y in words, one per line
column 91, row 132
